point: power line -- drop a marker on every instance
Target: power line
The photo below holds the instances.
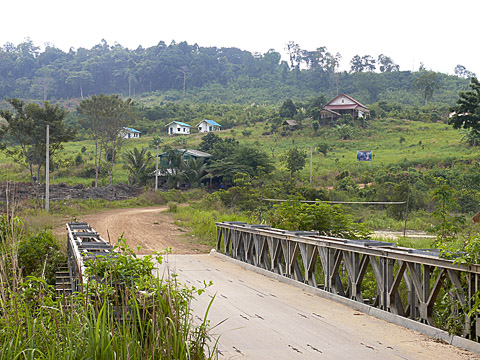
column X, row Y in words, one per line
column 344, row 202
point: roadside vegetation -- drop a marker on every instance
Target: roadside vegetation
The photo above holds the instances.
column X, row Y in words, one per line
column 124, row 310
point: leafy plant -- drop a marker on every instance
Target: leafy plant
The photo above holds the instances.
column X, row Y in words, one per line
column 329, row 220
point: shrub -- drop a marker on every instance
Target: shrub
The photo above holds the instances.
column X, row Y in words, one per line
column 329, row 220
column 40, row 255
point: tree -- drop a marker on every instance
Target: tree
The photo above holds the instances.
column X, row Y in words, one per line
column 360, row 64
column 194, row 171
column 295, row 160
column 427, row 83
column 356, row 64
column 288, row 109
column 324, row 148
column 294, row 53
column 368, row 63
column 331, row 65
column 184, row 74
column 327, row 219
column 387, row 64
column 80, row 79
column 136, row 163
column 467, row 111
column 26, row 126
column 461, row 71
column 344, row 131
column 105, row 117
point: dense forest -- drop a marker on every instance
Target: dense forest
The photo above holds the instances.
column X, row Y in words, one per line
column 181, row 71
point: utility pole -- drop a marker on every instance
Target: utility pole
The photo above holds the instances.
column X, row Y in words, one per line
column 311, row 164
column 47, row 171
column 156, row 171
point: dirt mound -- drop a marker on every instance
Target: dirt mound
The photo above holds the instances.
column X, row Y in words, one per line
column 62, row 191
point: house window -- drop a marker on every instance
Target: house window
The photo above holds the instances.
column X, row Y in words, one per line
column 183, row 129
column 178, row 129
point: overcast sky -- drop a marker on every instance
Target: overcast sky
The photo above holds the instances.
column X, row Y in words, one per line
column 440, row 33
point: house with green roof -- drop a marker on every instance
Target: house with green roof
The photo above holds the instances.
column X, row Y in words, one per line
column 178, row 128
column 208, row 126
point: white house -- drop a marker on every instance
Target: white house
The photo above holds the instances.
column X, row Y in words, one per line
column 177, row 127
column 130, row 133
column 208, row 126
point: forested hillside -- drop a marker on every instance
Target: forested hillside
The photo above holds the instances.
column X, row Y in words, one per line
column 181, row 71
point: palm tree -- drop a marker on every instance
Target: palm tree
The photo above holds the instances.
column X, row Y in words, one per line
column 173, row 166
column 194, row 171
column 136, row 162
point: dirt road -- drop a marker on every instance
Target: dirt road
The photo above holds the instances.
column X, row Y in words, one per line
column 149, row 227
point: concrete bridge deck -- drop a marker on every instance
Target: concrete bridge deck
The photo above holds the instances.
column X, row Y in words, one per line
column 262, row 318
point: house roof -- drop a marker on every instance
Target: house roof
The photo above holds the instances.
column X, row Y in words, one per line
column 329, row 111
column 356, row 104
column 476, row 218
column 345, row 107
column 131, row 129
column 290, row 123
column 211, row 122
column 179, row 123
column 194, row 153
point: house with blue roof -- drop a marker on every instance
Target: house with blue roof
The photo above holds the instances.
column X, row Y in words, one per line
column 177, row 127
column 130, row 133
column 208, row 126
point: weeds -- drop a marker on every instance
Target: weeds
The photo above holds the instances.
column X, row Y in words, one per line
column 123, row 312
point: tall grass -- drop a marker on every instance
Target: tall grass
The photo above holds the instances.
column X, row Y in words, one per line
column 201, row 220
column 146, row 318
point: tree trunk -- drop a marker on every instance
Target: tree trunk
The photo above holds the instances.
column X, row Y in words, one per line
column 96, row 163
column 110, row 174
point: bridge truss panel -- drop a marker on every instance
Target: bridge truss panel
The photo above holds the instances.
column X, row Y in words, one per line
column 408, row 282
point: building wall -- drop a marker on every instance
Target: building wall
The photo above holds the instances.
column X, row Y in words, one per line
column 342, row 100
column 130, row 135
column 206, row 127
column 178, row 129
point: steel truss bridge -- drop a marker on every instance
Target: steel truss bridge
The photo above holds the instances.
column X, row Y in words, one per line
column 409, row 282
column 83, row 244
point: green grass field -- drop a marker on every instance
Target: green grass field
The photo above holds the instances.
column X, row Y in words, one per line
column 424, row 145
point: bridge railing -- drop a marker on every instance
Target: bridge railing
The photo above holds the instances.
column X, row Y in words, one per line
column 83, row 244
column 412, row 283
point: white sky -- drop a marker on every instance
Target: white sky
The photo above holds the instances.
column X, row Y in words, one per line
column 439, row 33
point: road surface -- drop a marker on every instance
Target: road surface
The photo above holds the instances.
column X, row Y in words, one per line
column 149, row 228
column 257, row 317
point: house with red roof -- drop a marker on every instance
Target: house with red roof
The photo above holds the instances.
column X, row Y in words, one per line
column 342, row 105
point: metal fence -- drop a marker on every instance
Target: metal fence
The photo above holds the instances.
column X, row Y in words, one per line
column 83, row 244
column 417, row 284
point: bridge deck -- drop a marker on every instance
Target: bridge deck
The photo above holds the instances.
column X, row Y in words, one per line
column 267, row 319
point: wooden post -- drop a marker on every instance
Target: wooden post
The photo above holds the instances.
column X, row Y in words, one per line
column 47, row 171
column 406, row 212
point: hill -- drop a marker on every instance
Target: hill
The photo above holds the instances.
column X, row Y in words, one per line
column 184, row 72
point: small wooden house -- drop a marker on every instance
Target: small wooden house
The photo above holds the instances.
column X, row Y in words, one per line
column 290, row 123
column 130, row 133
column 208, row 126
column 342, row 105
column 177, row 127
